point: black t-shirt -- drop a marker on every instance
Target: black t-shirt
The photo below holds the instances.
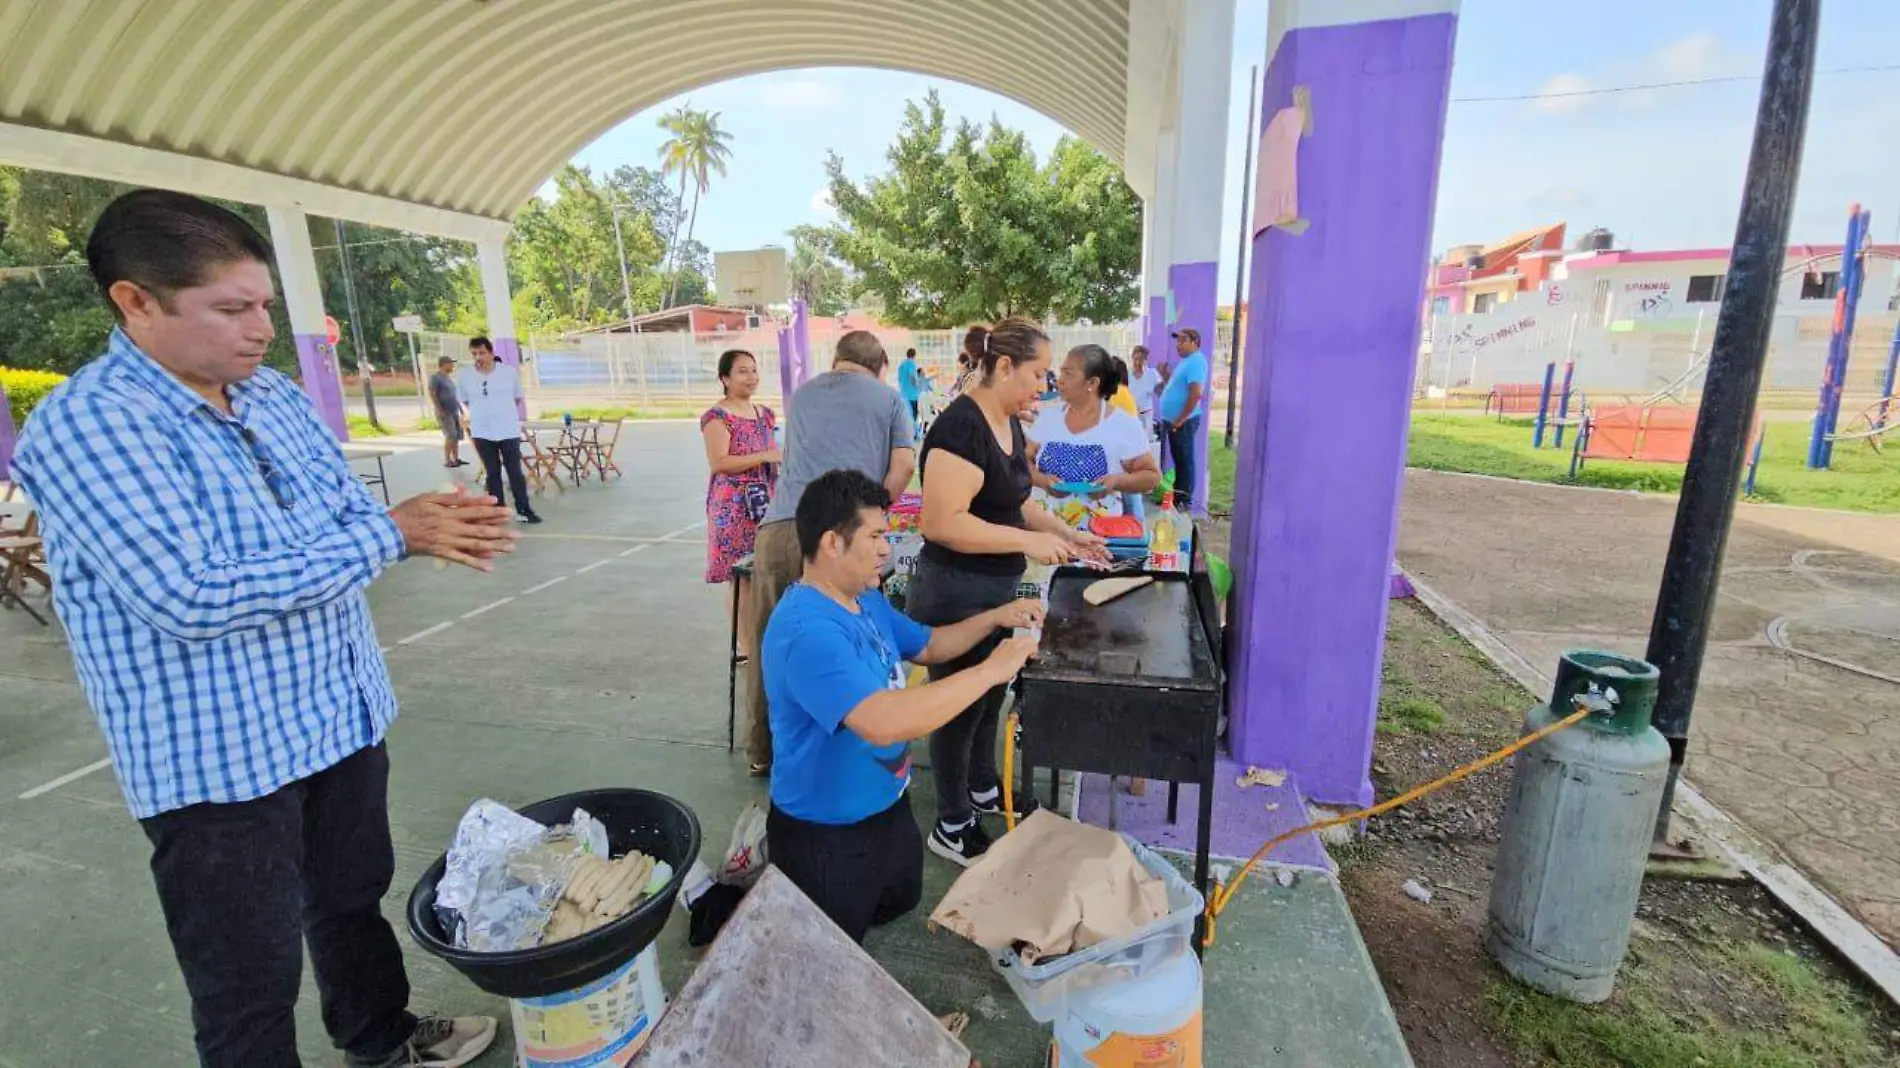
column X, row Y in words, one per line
column 963, row 431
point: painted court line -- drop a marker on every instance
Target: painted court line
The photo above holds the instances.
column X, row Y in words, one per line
column 592, row 566
column 71, row 776
column 635, row 549
column 551, row 582
column 489, row 607
column 426, row 631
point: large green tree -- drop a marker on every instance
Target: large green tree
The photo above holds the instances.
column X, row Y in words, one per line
column 967, row 226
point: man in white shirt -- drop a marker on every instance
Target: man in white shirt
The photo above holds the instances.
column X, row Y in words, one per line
column 492, row 393
column 1144, row 382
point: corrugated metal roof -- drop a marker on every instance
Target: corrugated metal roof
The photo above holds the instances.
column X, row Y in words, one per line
column 469, row 105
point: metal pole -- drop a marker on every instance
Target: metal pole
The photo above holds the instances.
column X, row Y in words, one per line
column 415, row 368
column 1887, row 381
column 1840, row 342
column 1679, row 633
column 626, row 287
column 1240, row 260
column 363, row 367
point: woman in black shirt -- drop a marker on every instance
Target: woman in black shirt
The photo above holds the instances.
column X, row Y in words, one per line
column 980, row 528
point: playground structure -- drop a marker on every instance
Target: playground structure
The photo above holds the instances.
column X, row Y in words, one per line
column 1656, row 434
column 1827, row 413
column 1660, row 426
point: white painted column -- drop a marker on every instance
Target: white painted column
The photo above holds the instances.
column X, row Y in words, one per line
column 1157, row 216
column 1203, row 61
column 492, row 256
column 303, row 301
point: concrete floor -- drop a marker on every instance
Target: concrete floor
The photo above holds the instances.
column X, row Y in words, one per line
column 1800, row 749
column 594, row 656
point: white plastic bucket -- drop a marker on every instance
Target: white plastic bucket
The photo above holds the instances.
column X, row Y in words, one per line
column 602, row 1024
column 1150, row 1022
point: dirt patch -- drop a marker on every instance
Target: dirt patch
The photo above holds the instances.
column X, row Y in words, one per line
column 1718, row 974
column 1717, row 971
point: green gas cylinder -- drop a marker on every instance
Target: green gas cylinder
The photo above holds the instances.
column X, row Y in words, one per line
column 1577, row 829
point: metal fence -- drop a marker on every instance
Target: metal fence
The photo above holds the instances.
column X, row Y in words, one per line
column 678, row 372
column 1475, row 353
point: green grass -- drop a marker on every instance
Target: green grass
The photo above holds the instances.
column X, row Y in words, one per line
column 1418, row 714
column 1861, row 480
column 361, row 427
column 626, row 413
column 1662, row 1015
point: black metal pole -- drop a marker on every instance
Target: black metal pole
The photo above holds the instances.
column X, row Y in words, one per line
column 1679, row 633
column 1240, row 263
column 363, row 367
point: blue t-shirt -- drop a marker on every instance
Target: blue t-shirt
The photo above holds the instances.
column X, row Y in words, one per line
column 1191, row 370
column 820, row 661
column 910, row 379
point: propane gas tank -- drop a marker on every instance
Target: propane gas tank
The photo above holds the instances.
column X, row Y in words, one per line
column 1577, row 829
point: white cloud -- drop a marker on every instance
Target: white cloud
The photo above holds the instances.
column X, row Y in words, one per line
column 801, row 94
column 1687, row 59
column 1696, row 56
column 821, row 205
column 1551, row 100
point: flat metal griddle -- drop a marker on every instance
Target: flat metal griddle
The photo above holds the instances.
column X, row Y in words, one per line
column 1152, row 635
column 1129, row 688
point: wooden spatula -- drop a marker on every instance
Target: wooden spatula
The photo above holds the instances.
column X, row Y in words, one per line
column 1105, row 590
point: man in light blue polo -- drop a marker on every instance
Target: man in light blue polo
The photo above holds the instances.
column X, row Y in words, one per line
column 1180, row 414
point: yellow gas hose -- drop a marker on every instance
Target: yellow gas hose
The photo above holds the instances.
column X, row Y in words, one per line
column 1217, row 901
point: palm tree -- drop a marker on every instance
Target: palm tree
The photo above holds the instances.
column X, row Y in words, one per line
column 696, row 149
column 815, row 277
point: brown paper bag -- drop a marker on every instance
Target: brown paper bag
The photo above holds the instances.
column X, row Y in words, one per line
column 1052, row 886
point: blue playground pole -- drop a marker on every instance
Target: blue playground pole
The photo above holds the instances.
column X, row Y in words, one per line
column 1563, row 401
column 1543, row 406
column 1754, row 465
column 1828, row 410
column 1888, row 382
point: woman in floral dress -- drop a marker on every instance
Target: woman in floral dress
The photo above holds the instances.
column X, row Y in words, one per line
column 744, row 458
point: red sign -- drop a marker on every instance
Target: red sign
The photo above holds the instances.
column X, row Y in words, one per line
column 331, row 332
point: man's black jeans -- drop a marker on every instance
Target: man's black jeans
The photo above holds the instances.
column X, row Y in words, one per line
column 1184, row 445
column 244, row 885
column 497, row 455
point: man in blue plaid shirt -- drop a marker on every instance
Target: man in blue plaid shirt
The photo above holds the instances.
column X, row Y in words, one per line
column 210, row 548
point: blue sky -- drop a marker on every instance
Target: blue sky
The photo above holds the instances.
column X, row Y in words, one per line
column 1661, row 168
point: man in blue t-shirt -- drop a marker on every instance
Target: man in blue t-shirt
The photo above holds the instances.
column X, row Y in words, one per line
column 910, row 381
column 842, row 720
column 1180, row 412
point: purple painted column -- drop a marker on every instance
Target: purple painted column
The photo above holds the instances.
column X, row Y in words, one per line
column 801, row 340
column 7, row 434
column 787, row 384
column 1195, row 304
column 1160, row 356
column 1334, row 319
column 316, row 364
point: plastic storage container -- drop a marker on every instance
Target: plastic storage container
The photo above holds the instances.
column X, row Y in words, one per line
column 651, row 822
column 1045, row 988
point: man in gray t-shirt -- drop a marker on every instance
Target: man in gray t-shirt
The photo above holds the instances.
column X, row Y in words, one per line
column 448, row 411
column 844, row 418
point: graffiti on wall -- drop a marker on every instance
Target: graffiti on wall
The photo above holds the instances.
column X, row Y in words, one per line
column 1468, row 339
column 1649, row 299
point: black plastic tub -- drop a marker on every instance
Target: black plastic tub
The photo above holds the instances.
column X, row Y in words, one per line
column 653, row 823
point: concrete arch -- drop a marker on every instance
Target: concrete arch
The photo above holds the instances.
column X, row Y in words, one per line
column 394, row 98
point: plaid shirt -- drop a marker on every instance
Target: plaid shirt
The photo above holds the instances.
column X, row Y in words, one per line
column 210, row 571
